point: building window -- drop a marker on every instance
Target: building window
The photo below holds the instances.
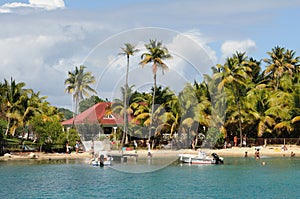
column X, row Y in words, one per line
column 110, row 116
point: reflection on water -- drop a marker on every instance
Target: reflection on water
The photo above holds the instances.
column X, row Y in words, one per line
column 142, row 165
column 237, row 178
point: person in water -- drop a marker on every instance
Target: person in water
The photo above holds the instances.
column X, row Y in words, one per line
column 293, row 154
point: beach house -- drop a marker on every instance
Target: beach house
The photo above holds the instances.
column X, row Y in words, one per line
column 95, row 121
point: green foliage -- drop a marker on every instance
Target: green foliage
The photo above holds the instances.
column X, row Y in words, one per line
column 69, row 136
column 46, row 131
column 89, row 102
column 67, row 114
column 3, row 125
column 73, row 136
column 214, row 138
column 78, row 83
column 238, row 98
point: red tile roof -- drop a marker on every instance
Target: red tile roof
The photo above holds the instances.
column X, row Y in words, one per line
column 96, row 114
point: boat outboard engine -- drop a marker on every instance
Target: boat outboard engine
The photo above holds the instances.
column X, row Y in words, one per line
column 217, row 158
column 101, row 160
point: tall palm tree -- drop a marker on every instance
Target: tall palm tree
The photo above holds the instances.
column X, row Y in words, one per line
column 128, row 50
column 233, row 75
column 188, row 102
column 78, row 83
column 155, row 55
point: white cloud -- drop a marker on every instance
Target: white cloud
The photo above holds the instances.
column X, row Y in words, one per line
column 39, row 48
column 194, row 47
column 4, row 10
column 47, row 4
column 230, row 47
column 42, row 4
column 192, row 57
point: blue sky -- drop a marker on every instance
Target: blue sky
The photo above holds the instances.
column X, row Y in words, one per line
column 41, row 40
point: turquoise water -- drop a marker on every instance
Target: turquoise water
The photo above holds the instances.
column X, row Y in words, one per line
column 237, row 178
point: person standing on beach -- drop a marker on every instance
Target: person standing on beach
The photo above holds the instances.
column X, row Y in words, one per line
column 67, row 148
column 77, row 146
column 235, row 140
column 135, row 146
column 244, row 141
column 256, row 154
column 149, row 149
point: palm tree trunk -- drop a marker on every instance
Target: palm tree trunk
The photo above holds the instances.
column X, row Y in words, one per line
column 237, row 100
column 7, row 127
column 240, row 123
column 125, row 105
column 152, row 108
column 75, row 111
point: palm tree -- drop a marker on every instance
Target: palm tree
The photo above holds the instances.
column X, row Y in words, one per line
column 296, row 110
column 282, row 61
column 29, row 104
column 128, row 51
column 188, row 102
column 118, row 107
column 233, row 75
column 78, row 83
column 141, row 109
column 218, row 103
column 172, row 116
column 11, row 96
column 155, row 55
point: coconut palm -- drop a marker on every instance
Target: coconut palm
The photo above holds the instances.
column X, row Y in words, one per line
column 141, row 108
column 296, row 109
column 118, row 107
column 233, row 76
column 281, row 61
column 172, row 117
column 155, row 54
column 78, row 84
column 12, row 92
column 189, row 123
column 29, row 104
column 218, row 102
column 128, row 50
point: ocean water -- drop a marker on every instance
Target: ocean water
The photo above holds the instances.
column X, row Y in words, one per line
column 237, row 178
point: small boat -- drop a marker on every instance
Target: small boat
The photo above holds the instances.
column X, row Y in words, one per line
column 201, row 158
column 101, row 161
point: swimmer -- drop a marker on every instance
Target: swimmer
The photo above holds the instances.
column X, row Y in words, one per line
column 293, row 154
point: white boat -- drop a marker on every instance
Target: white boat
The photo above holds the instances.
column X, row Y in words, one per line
column 101, row 161
column 201, row 158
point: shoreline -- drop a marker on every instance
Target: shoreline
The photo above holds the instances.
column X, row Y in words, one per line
column 269, row 151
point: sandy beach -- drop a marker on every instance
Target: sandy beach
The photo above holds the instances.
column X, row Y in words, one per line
column 269, row 151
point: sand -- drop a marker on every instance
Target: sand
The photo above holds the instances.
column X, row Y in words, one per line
column 269, row 151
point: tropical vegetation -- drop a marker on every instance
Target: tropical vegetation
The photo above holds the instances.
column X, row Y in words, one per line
column 242, row 96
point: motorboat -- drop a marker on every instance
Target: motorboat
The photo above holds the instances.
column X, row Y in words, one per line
column 103, row 160
column 201, row 158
